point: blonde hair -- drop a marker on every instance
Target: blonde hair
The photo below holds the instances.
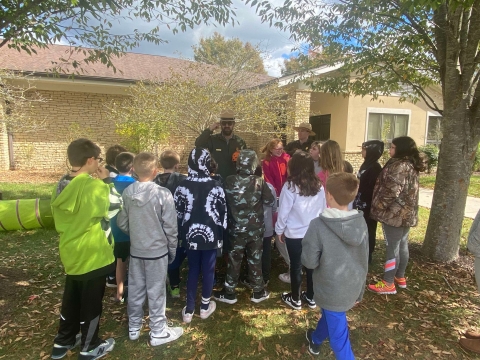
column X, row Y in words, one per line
column 331, row 157
column 144, row 164
column 343, row 187
column 267, row 149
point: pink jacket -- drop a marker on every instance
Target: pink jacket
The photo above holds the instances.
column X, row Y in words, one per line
column 275, row 171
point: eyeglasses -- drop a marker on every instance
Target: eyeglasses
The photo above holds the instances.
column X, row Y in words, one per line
column 99, row 159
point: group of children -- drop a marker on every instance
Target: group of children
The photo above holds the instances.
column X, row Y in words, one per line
column 195, row 216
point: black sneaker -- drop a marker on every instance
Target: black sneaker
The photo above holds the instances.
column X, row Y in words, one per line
column 111, row 282
column 310, row 302
column 100, row 351
column 313, row 348
column 59, row 351
column 259, row 296
column 287, row 299
column 225, row 297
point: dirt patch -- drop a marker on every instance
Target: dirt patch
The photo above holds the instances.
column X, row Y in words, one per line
column 33, row 176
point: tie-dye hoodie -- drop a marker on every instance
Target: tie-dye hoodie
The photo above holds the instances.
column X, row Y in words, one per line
column 201, row 205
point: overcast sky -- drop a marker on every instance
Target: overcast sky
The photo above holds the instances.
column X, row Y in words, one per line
column 274, row 43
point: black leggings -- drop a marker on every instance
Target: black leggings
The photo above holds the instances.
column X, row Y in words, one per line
column 294, row 248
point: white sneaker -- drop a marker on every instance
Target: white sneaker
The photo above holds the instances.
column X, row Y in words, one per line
column 206, row 313
column 169, row 334
column 134, row 334
column 285, row 277
column 187, row 318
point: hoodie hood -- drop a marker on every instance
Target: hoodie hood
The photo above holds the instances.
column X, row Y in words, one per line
column 374, row 150
column 67, row 198
column 199, row 165
column 140, row 193
column 247, row 162
column 348, row 228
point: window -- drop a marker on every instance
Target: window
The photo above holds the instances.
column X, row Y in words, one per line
column 434, row 130
column 385, row 126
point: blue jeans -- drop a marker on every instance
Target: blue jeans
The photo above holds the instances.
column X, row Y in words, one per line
column 333, row 325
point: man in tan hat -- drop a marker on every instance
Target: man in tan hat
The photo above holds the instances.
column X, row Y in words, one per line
column 224, row 146
column 303, row 143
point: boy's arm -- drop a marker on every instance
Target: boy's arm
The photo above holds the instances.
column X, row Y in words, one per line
column 267, row 196
column 122, row 218
column 311, row 247
column 170, row 227
column 473, row 243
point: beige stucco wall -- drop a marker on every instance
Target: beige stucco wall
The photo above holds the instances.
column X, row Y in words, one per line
column 357, row 118
column 337, row 106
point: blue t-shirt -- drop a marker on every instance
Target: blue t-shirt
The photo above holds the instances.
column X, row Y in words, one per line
column 121, row 182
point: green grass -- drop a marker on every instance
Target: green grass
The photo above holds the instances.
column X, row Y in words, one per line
column 422, row 322
column 428, row 182
column 14, row 191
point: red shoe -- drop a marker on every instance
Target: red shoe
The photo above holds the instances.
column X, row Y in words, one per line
column 382, row 287
column 401, row 282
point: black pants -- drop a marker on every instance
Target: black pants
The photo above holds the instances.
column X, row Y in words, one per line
column 372, row 235
column 266, row 258
column 294, row 248
column 81, row 310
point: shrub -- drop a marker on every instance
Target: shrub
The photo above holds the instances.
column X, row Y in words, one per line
column 431, row 151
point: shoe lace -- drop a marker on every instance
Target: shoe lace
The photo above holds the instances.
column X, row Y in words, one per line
column 380, row 285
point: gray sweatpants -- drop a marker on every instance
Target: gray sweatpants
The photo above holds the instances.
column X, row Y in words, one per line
column 396, row 239
column 146, row 278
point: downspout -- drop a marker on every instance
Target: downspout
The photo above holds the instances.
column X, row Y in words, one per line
column 11, row 158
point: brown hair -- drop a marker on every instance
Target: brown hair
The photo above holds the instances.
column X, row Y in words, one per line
column 301, row 173
column 343, row 187
column 80, row 150
column 144, row 164
column 112, row 153
column 267, row 149
column 168, row 159
column 331, row 157
column 124, row 162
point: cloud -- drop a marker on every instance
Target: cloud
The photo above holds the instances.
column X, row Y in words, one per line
column 275, row 44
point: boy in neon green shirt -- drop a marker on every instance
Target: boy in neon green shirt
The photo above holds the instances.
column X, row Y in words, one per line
column 81, row 208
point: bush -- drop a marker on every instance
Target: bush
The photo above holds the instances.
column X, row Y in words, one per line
column 431, row 151
column 476, row 161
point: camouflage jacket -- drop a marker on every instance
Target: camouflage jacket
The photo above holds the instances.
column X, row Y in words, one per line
column 246, row 194
column 395, row 197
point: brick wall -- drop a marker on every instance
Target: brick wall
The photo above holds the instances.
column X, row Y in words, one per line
column 70, row 115
column 354, row 158
column 4, row 163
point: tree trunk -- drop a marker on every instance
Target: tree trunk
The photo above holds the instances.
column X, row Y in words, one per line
column 457, row 153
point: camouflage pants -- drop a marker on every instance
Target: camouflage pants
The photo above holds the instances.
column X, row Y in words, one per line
column 253, row 247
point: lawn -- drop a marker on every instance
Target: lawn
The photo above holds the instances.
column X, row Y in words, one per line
column 423, row 322
column 428, row 181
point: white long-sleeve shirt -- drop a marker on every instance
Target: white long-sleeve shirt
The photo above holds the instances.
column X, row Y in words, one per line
column 295, row 212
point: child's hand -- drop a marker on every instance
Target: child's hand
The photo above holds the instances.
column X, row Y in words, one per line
column 102, row 173
column 281, row 238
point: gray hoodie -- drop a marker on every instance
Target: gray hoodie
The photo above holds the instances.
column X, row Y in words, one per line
column 149, row 217
column 337, row 250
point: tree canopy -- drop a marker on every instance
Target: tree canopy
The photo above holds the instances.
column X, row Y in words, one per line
column 97, row 24
column 229, row 53
column 407, row 47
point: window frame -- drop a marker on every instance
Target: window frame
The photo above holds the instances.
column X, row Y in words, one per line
column 389, row 111
column 427, row 123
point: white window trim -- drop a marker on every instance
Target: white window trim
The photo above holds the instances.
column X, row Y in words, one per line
column 429, row 113
column 375, row 110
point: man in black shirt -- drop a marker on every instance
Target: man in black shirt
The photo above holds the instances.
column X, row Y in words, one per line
column 303, row 143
